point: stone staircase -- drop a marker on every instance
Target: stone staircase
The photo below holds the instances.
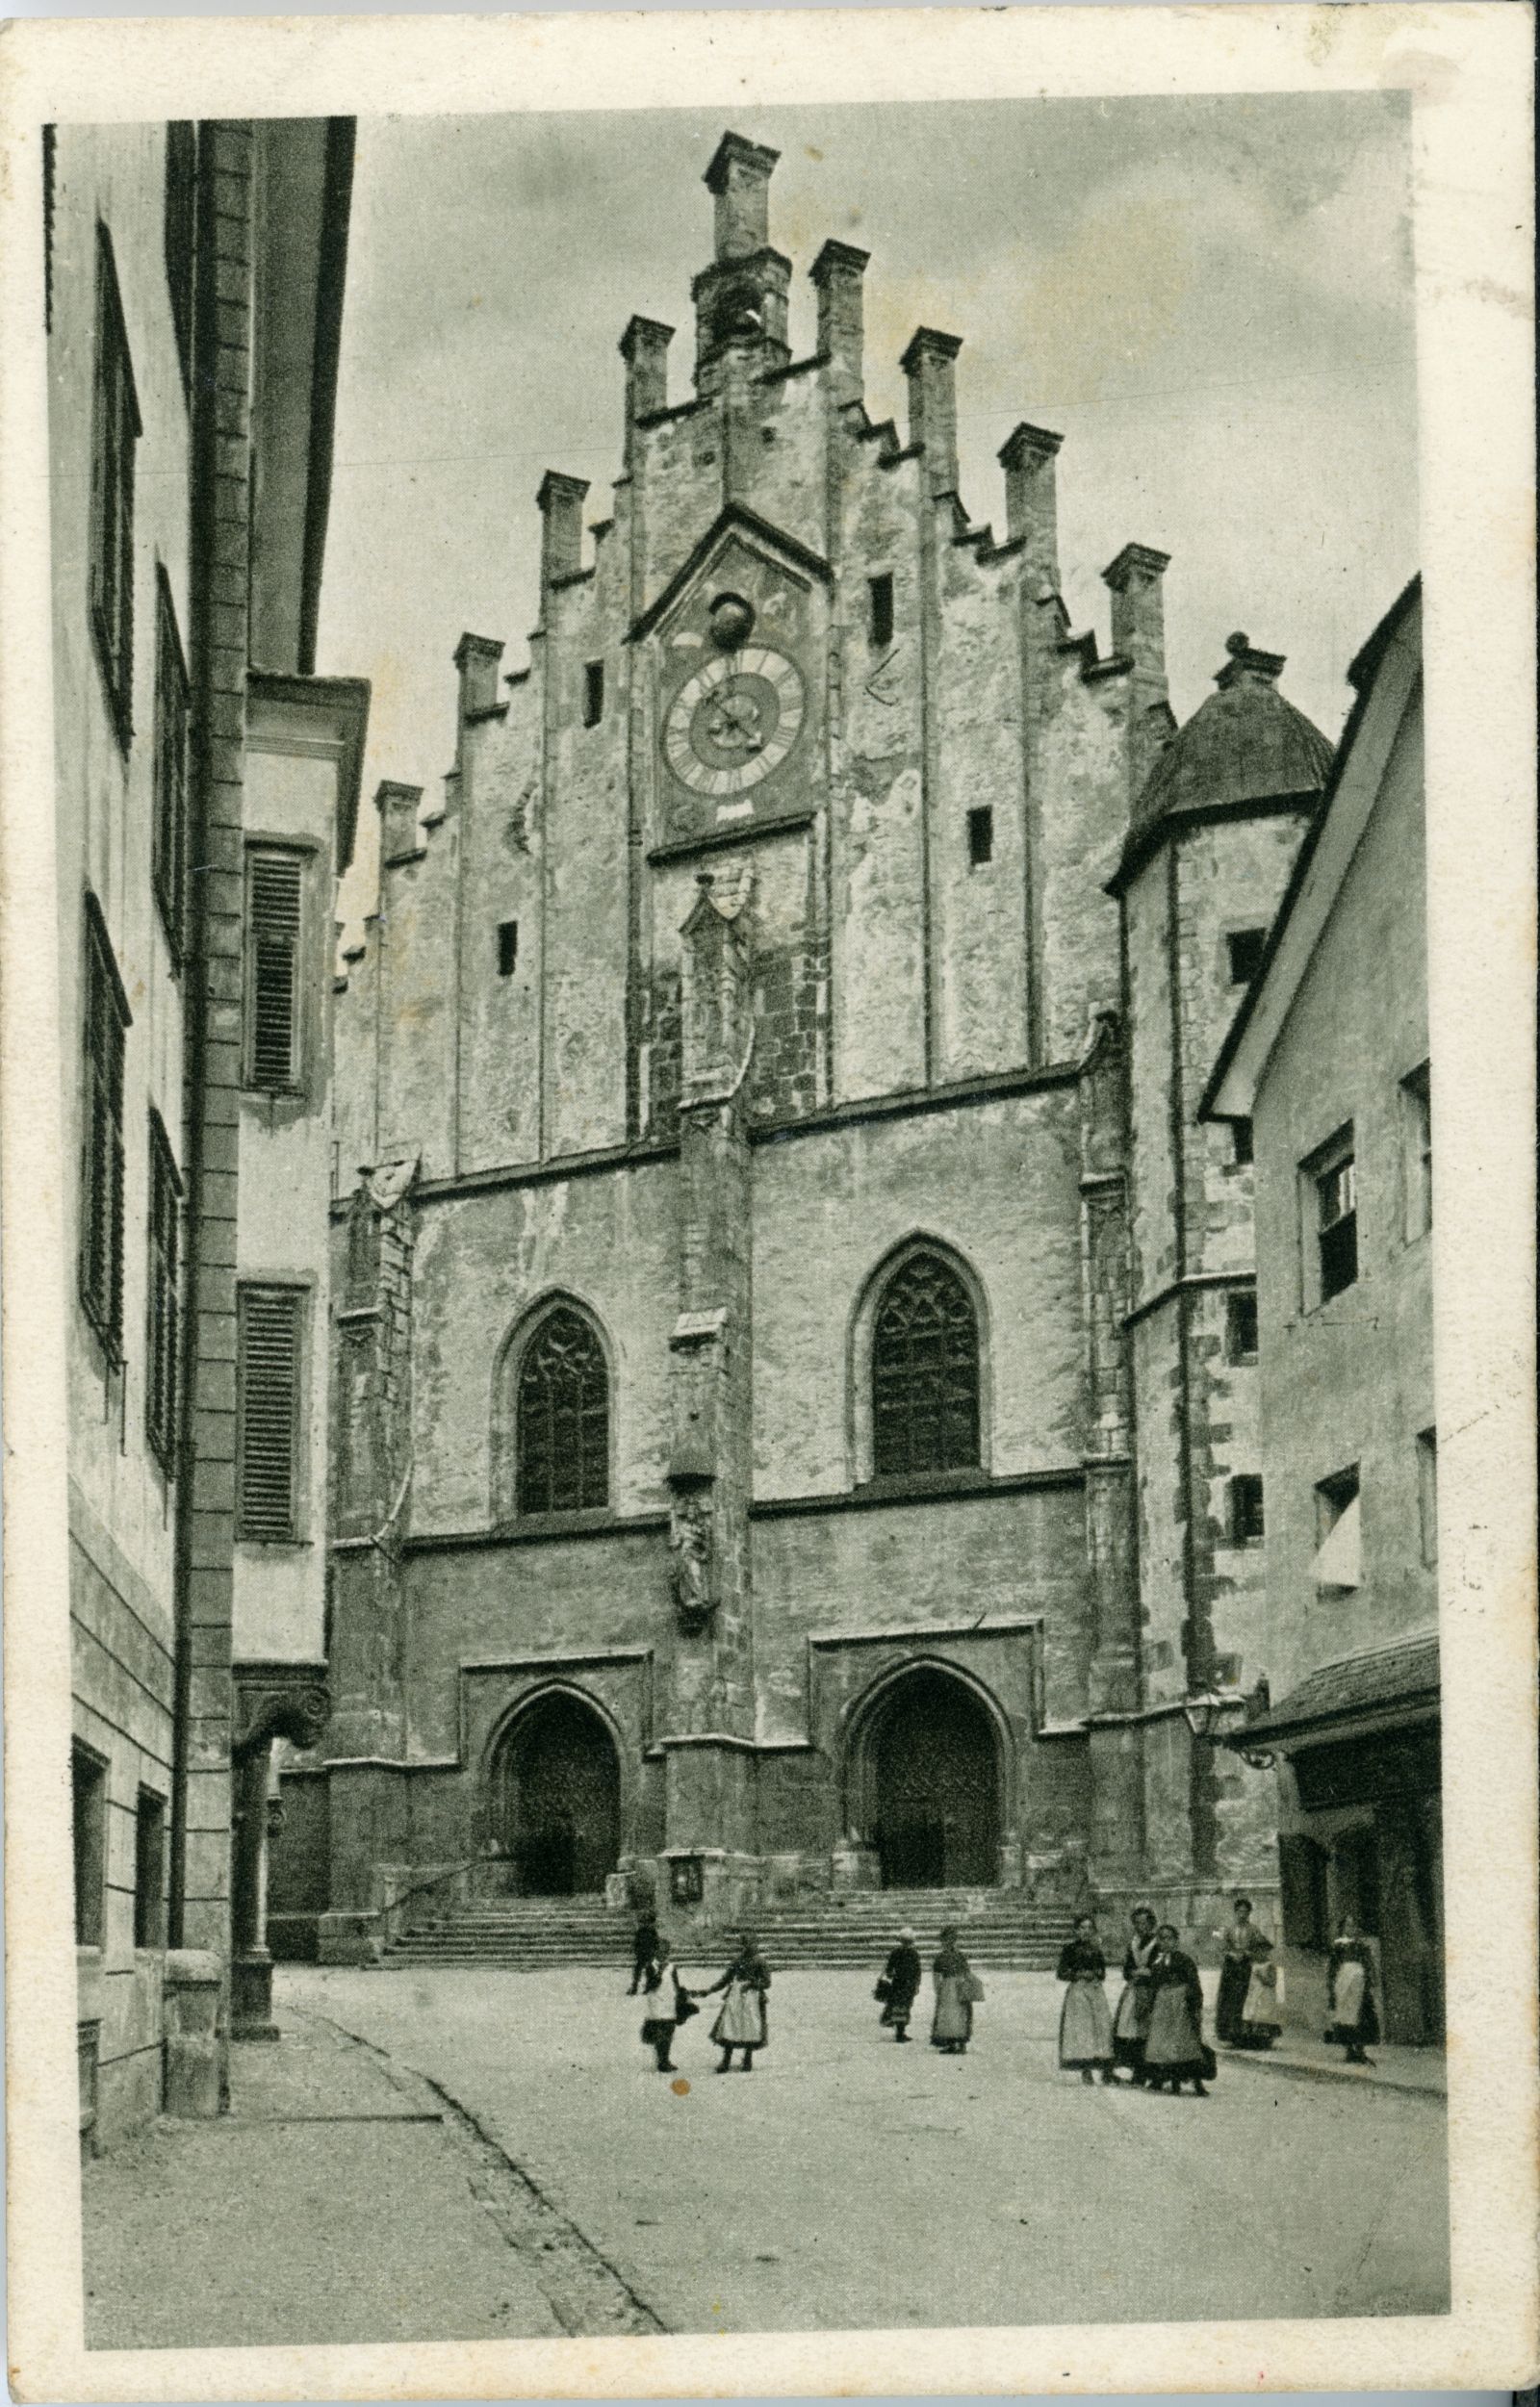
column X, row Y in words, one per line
column 996, row 1926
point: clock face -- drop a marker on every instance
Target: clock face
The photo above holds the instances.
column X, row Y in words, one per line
column 735, row 721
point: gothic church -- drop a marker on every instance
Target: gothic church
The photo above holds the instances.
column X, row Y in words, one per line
column 793, row 1395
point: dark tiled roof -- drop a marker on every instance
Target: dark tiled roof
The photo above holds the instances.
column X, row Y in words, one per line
column 1245, row 744
column 1397, row 1674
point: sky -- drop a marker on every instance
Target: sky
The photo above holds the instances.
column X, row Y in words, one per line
column 1210, row 298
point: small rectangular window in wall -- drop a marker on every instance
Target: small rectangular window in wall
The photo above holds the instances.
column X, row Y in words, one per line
column 980, row 836
column 88, row 1794
column 593, row 693
column 1338, row 1567
column 880, row 591
column 1417, row 1126
column 1428, row 1493
column 162, row 1332
column 104, row 1021
column 116, row 429
column 1330, row 1197
column 168, row 842
column 268, row 1408
column 274, row 931
column 1241, row 1327
column 181, row 218
column 508, row 947
column 149, row 1870
column 1244, row 948
column 1246, row 1526
column 1242, row 1146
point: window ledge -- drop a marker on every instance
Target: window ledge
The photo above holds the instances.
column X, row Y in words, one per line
column 572, row 1525
column 967, row 1480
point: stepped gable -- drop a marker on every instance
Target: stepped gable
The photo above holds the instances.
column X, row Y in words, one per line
column 1245, row 744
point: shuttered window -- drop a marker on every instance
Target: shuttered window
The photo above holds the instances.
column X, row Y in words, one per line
column 267, row 1404
column 104, row 1020
column 168, row 862
column 274, row 907
column 162, row 1334
column 115, row 432
column 181, row 218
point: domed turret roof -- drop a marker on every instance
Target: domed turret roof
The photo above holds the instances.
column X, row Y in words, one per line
column 1245, row 744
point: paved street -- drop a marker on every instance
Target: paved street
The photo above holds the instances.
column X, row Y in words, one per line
column 849, row 2183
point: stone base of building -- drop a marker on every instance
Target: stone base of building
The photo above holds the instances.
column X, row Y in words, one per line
column 1201, row 1909
column 348, row 1938
column 251, row 1997
column 196, row 2071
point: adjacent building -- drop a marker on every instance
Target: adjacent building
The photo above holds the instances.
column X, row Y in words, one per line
column 795, row 1420
column 1329, row 1069
column 206, row 790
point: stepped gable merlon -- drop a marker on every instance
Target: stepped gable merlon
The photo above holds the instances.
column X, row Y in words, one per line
column 929, row 363
column 561, row 502
column 1245, row 744
column 399, row 839
column 1028, row 457
column 477, row 659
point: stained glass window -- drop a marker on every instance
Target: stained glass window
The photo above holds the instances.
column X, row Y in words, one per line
column 925, row 1371
column 563, row 1417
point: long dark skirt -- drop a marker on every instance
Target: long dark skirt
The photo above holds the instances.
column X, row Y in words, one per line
column 1235, row 1980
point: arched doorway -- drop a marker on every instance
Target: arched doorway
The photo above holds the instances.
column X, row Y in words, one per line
column 555, row 1798
column 933, row 1786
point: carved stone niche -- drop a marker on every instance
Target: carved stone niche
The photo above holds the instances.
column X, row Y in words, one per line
column 279, row 1701
column 692, row 1541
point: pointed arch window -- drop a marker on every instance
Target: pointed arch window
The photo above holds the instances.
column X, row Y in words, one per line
column 563, row 1417
column 925, row 1371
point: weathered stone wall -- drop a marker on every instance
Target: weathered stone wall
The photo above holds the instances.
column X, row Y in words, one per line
column 997, row 1182
column 482, row 1262
column 1350, row 1381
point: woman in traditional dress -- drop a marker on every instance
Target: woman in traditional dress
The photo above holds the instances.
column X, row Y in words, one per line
column 952, row 2022
column 1355, row 2019
column 743, row 2021
column 1085, row 2026
column 899, row 1985
column 667, row 2003
column 1245, row 1951
column 1131, row 2022
column 1173, row 2049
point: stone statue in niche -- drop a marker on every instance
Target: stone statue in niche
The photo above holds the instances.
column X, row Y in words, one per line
column 689, row 1538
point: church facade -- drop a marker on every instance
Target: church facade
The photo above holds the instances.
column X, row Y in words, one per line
column 793, row 1413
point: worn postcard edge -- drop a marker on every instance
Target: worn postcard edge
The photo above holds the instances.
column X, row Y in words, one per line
column 1467, row 68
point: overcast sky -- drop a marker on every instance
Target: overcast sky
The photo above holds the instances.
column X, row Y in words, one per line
column 1211, row 300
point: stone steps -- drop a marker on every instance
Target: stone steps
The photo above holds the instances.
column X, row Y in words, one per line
column 851, row 1932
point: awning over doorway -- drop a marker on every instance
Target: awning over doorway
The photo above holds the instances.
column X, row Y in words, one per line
column 1381, row 1686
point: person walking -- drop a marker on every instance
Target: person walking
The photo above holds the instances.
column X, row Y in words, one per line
column 1173, row 2049
column 899, row 1987
column 1131, row 2022
column 645, row 1950
column 1246, row 1952
column 1085, row 2026
column 1351, row 1987
column 743, row 2019
column 957, row 1992
column 667, row 2005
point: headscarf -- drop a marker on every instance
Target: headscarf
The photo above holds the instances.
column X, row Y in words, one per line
column 951, row 1962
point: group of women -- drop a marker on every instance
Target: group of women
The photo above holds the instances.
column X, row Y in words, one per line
column 742, row 2026
column 1155, row 2033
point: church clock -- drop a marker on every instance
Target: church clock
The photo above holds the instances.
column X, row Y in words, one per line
column 733, row 722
